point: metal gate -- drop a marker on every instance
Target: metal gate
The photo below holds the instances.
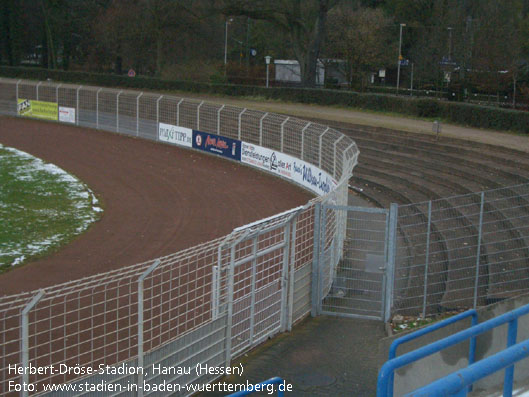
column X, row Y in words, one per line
column 358, row 261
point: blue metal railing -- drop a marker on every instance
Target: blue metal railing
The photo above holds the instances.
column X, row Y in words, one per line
column 261, row 387
column 387, row 370
column 457, row 383
column 427, row 330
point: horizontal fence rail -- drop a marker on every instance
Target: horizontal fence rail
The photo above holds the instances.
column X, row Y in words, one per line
column 204, row 304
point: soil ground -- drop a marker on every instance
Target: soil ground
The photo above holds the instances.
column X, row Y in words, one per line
column 158, row 199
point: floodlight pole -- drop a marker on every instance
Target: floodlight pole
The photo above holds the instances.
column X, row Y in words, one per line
column 400, row 57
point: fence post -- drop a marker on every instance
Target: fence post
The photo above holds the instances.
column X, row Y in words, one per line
column 25, row 337
column 57, row 94
column 239, row 125
column 321, row 143
column 138, row 113
column 140, row 323
column 16, row 89
column 261, row 129
column 39, row 83
column 117, row 111
column 291, row 287
column 392, row 252
column 77, row 105
column 284, row 278
column 315, row 259
column 218, row 118
column 303, row 140
column 427, row 259
column 198, row 114
column 178, row 111
column 158, row 116
column 334, row 167
column 97, row 108
column 252, row 298
column 231, row 271
column 321, row 261
column 283, row 132
column 478, row 253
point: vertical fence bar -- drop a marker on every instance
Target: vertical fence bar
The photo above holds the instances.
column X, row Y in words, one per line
column 284, row 279
column 178, row 111
column 16, row 89
column 97, row 108
column 478, row 253
column 261, row 129
column 427, row 259
column 117, row 110
column 239, row 124
column 38, row 85
column 303, row 140
column 57, row 94
column 334, row 167
column 138, row 114
column 321, row 143
column 283, row 132
column 315, row 260
column 24, row 360
column 231, row 272
column 218, row 118
column 392, row 251
column 77, row 105
column 252, row 297
column 198, row 114
column 292, row 274
column 140, row 323
column 158, row 116
column 321, row 261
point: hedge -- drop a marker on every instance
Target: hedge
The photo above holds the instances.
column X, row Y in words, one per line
column 454, row 112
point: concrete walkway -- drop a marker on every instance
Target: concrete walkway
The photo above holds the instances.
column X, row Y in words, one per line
column 322, row 356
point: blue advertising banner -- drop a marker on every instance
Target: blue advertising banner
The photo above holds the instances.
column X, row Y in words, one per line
column 217, row 144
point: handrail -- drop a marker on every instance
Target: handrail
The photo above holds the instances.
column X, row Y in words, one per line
column 384, row 375
column 457, row 383
column 259, row 387
column 431, row 328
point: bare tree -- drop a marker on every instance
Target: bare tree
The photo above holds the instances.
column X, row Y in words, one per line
column 305, row 22
column 362, row 38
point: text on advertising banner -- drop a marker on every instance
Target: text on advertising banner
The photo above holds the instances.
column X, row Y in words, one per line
column 67, row 115
column 38, row 109
column 217, row 144
column 299, row 171
column 173, row 134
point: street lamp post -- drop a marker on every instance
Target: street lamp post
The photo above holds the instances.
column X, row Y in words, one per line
column 267, row 59
column 226, row 45
column 400, row 57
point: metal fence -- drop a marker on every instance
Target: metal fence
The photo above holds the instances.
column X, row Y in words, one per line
column 204, row 304
column 463, row 251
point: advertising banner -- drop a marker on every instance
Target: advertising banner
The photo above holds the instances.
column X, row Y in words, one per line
column 38, row 109
column 217, row 144
column 174, row 134
column 67, row 115
column 289, row 167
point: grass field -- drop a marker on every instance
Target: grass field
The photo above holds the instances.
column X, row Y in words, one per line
column 41, row 207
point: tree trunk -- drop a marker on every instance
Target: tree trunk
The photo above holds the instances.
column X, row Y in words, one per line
column 308, row 72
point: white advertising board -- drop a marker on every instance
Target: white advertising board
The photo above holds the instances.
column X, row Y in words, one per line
column 173, row 134
column 67, row 115
column 288, row 167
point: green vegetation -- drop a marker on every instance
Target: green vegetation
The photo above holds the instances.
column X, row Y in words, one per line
column 453, row 112
column 41, row 207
